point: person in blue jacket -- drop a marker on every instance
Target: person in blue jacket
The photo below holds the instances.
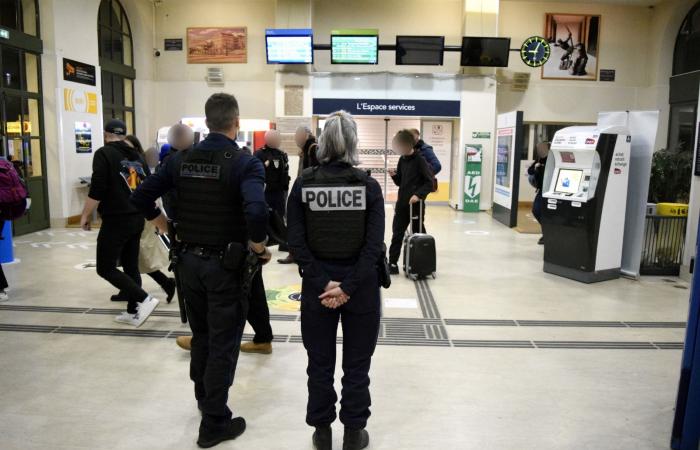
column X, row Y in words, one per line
column 335, row 219
column 426, row 151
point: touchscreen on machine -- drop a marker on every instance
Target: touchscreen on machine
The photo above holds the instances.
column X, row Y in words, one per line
column 568, row 181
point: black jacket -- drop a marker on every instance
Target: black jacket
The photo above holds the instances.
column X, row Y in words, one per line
column 117, row 170
column 308, row 154
column 537, row 172
column 413, row 177
column 276, row 165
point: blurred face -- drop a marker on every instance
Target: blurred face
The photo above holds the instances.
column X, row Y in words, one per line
column 300, row 138
column 272, row 139
column 401, row 148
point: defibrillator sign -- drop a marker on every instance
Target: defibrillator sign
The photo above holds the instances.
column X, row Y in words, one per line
column 335, row 198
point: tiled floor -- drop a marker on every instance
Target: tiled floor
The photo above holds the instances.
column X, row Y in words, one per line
column 493, row 354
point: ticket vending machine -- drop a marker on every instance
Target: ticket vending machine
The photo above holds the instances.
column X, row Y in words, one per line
column 584, row 201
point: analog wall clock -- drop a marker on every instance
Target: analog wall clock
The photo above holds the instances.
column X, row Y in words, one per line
column 535, row 51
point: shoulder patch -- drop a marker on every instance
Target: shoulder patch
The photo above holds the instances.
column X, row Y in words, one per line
column 200, row 170
column 335, row 198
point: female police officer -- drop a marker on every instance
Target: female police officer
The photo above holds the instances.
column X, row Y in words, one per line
column 336, row 231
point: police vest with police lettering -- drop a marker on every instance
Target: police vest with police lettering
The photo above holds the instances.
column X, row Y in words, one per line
column 206, row 211
column 335, row 211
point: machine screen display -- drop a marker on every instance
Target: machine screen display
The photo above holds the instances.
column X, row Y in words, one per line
column 568, row 181
column 289, row 49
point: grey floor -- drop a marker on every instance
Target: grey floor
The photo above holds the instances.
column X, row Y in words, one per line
column 493, row 354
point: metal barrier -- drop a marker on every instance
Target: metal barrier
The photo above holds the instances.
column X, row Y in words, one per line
column 664, row 238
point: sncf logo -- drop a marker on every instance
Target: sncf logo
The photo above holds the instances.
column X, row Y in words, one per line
column 590, row 141
column 617, row 171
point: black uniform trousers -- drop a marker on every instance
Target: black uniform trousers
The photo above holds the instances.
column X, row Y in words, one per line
column 259, row 312
column 216, row 314
column 277, row 201
column 119, row 241
column 402, row 219
column 319, row 327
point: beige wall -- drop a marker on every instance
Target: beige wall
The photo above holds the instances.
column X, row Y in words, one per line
column 391, row 17
column 180, row 89
column 624, row 41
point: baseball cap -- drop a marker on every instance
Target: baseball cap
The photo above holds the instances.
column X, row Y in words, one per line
column 116, row 126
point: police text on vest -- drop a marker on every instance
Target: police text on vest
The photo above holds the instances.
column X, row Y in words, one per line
column 335, row 198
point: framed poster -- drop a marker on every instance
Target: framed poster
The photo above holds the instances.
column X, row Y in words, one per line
column 438, row 134
column 574, row 39
column 217, row 45
column 509, row 142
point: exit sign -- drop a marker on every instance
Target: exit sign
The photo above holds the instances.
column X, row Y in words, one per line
column 4, row 34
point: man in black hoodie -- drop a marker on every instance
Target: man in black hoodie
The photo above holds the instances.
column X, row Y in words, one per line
column 415, row 181
column 118, row 169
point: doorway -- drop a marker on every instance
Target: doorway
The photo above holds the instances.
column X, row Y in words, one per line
column 22, row 131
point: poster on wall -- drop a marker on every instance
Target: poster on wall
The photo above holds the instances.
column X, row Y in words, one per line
column 509, row 137
column 75, row 100
column 438, row 134
column 78, row 72
column 217, row 45
column 83, row 137
column 574, row 39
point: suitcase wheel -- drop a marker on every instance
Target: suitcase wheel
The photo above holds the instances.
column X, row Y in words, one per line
column 434, row 276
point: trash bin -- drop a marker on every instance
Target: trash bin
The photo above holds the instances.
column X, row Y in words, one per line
column 7, row 252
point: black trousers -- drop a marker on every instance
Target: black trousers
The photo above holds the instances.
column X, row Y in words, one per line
column 401, row 221
column 537, row 205
column 217, row 314
column 277, row 201
column 319, row 329
column 118, row 241
column 259, row 312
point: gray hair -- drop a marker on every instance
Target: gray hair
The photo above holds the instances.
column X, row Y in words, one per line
column 338, row 141
column 305, row 129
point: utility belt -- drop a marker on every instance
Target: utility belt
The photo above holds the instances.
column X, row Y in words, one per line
column 232, row 256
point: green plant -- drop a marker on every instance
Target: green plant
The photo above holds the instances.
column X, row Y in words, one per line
column 670, row 176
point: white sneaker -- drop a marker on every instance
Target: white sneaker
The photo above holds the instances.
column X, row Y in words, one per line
column 145, row 308
column 127, row 319
column 3, row 296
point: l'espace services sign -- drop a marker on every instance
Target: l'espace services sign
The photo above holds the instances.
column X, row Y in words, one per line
column 384, row 107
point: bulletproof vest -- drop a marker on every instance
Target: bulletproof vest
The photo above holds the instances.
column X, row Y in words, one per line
column 206, row 210
column 335, row 211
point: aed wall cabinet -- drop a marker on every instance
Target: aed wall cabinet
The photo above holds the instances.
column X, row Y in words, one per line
column 585, row 198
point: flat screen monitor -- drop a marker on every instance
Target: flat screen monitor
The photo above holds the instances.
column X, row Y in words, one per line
column 354, row 49
column 419, row 50
column 485, row 52
column 568, row 181
column 290, row 46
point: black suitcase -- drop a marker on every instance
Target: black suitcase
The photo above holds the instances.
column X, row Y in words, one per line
column 419, row 257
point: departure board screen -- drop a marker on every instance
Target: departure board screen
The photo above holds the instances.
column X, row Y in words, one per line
column 360, row 49
column 293, row 46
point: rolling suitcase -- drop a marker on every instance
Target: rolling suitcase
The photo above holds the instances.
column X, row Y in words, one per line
column 419, row 258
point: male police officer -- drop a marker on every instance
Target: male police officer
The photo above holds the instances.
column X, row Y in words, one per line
column 221, row 214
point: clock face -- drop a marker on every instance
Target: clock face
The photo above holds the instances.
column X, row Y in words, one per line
column 535, row 51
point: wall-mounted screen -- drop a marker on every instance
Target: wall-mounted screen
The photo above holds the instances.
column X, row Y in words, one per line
column 568, row 181
column 355, row 46
column 289, row 46
column 419, row 50
column 485, row 52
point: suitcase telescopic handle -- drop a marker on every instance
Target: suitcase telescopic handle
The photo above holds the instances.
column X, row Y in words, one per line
column 420, row 216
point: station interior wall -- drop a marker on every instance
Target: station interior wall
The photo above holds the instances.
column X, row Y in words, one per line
column 635, row 41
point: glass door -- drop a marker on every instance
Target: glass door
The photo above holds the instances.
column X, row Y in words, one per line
column 22, row 130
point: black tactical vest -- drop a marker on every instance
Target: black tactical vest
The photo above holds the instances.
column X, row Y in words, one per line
column 335, row 211
column 206, row 210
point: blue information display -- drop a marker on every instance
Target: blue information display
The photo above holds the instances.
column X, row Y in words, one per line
column 384, row 107
column 289, row 46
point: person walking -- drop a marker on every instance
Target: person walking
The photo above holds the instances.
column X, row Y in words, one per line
column 415, row 182
column 221, row 217
column 336, row 231
column 118, row 169
column 535, row 175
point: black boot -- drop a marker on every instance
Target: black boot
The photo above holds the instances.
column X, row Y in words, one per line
column 209, row 437
column 170, row 289
column 355, row 439
column 323, row 438
column 394, row 269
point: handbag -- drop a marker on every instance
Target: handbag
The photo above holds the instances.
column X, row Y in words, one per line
column 384, row 269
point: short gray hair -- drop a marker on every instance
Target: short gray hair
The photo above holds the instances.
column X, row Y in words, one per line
column 305, row 129
column 338, row 141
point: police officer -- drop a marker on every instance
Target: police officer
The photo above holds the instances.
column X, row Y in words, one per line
column 335, row 218
column 221, row 215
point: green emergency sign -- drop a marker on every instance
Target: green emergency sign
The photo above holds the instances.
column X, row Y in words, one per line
column 472, row 178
